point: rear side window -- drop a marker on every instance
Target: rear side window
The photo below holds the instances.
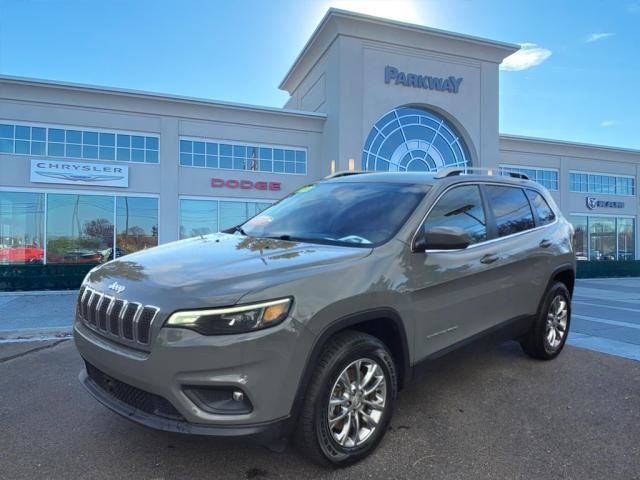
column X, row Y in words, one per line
column 510, row 208
column 541, row 208
column 460, row 207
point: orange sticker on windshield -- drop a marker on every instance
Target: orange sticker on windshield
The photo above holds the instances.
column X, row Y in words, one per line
column 260, row 220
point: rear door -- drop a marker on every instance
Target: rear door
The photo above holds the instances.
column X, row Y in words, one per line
column 522, row 247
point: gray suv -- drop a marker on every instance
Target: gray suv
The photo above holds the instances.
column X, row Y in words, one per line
column 309, row 318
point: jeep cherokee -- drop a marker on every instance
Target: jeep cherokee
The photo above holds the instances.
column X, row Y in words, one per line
column 307, row 319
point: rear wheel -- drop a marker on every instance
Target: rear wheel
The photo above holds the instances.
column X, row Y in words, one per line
column 349, row 401
column 549, row 332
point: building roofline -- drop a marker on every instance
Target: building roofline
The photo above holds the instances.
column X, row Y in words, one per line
column 567, row 143
column 337, row 12
column 156, row 96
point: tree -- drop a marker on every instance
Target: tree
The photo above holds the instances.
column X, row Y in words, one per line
column 100, row 228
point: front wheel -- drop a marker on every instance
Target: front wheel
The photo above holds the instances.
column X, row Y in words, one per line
column 549, row 332
column 349, row 401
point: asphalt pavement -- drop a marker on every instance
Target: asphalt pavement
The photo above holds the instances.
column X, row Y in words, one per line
column 483, row 413
column 486, row 412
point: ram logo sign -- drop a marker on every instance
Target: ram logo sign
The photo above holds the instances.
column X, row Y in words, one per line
column 593, row 202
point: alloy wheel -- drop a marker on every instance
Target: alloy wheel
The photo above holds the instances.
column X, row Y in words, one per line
column 556, row 327
column 357, row 402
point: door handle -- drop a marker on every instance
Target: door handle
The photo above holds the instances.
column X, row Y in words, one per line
column 546, row 243
column 489, row 258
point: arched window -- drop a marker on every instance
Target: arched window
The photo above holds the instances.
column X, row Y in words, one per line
column 413, row 139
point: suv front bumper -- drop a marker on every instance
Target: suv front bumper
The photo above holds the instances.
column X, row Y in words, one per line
column 260, row 432
column 151, row 388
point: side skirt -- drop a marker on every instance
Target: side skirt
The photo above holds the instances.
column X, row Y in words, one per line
column 509, row 330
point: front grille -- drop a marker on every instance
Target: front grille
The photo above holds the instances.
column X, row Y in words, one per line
column 130, row 321
column 132, row 396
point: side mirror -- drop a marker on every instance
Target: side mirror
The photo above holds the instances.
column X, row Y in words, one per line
column 442, row 238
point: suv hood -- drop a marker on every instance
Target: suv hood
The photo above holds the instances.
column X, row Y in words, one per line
column 212, row 270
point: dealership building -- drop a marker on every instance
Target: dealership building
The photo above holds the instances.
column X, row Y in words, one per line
column 88, row 173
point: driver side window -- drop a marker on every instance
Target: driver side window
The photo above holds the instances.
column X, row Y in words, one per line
column 460, row 207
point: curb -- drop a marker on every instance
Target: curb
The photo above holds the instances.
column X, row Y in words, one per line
column 39, row 293
column 31, row 334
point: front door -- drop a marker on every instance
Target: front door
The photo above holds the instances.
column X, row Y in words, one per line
column 454, row 292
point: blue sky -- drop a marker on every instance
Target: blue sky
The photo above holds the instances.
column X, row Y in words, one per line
column 580, row 79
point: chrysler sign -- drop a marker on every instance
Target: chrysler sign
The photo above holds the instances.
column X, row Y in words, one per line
column 75, row 173
column 442, row 84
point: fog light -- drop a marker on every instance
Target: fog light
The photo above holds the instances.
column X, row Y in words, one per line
column 219, row 400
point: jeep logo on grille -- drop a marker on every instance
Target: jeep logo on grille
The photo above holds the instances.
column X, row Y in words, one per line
column 116, row 287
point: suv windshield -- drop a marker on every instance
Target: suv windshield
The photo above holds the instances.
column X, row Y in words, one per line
column 341, row 213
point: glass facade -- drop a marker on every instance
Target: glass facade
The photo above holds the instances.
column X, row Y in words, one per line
column 546, row 177
column 413, row 139
column 77, row 228
column 259, row 158
column 76, row 143
column 605, row 184
column 604, row 238
column 202, row 217
column 21, row 227
column 136, row 224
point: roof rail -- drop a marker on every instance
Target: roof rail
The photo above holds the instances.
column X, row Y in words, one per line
column 454, row 171
column 450, row 172
column 523, row 176
column 346, row 173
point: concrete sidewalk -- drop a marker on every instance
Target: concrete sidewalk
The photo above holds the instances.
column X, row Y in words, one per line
column 606, row 315
column 36, row 314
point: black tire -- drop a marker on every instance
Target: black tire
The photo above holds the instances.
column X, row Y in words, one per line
column 536, row 343
column 313, row 436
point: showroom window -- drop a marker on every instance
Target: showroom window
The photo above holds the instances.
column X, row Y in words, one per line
column 21, row 227
column 78, row 143
column 547, row 177
column 600, row 238
column 413, row 139
column 78, row 228
column 202, row 217
column 606, row 184
column 254, row 157
column 136, row 224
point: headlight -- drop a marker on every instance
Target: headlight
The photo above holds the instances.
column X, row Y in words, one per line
column 239, row 319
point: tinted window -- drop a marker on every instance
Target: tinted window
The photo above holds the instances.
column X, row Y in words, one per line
column 510, row 209
column 460, row 207
column 343, row 213
column 541, row 207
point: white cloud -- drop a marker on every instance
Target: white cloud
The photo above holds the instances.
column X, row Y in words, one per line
column 528, row 56
column 608, row 123
column 594, row 37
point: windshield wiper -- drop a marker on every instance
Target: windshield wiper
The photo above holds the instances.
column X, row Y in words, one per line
column 235, row 229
